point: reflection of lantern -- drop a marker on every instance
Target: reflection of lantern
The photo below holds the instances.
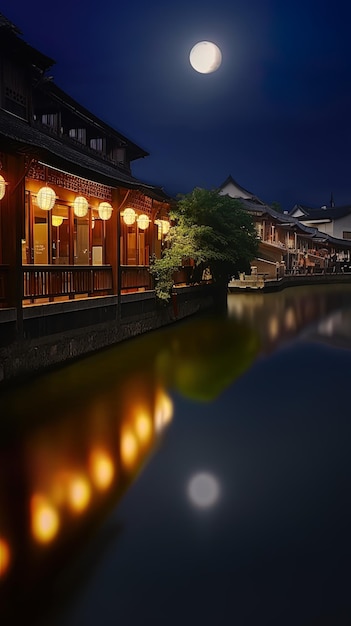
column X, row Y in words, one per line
column 56, row 220
column 80, row 206
column 46, row 198
column 143, row 221
column 129, row 216
column 2, row 187
column 105, row 210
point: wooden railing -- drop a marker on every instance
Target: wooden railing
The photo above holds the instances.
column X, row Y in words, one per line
column 49, row 281
column 136, row 277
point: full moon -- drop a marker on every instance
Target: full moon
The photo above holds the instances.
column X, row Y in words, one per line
column 205, row 57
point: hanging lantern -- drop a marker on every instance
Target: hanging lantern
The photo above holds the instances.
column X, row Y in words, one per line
column 93, row 222
column 165, row 227
column 143, row 221
column 105, row 210
column 80, row 206
column 129, row 216
column 56, row 220
column 46, row 198
column 3, row 184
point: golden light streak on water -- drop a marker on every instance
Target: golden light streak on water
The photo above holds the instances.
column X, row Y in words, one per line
column 101, row 469
column 5, row 557
column 143, row 427
column 129, row 447
column 45, row 521
column 163, row 410
column 79, row 494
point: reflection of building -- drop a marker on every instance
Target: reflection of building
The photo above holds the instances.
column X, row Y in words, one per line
column 60, row 479
column 74, row 221
column 286, row 244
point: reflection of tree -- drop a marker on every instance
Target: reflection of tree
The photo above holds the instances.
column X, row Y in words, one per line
column 207, row 355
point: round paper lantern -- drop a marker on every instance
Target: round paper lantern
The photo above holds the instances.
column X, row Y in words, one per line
column 2, row 187
column 46, row 198
column 80, row 206
column 143, row 221
column 56, row 220
column 165, row 227
column 129, row 216
column 105, row 210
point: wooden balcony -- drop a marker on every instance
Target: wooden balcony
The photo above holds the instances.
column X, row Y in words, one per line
column 135, row 277
column 50, row 281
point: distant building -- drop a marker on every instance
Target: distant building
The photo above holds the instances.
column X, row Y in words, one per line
column 333, row 220
column 286, row 242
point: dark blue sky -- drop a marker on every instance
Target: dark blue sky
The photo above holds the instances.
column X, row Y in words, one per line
column 276, row 115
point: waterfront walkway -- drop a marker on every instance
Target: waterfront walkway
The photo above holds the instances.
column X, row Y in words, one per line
column 260, row 282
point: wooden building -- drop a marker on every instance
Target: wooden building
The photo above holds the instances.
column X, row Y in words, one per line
column 74, row 222
column 286, row 243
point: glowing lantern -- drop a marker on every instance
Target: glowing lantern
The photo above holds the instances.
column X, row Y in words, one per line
column 46, row 198
column 56, row 220
column 165, row 227
column 129, row 216
column 105, row 210
column 80, row 206
column 2, row 187
column 143, row 222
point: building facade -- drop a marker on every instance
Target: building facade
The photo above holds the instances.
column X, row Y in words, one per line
column 286, row 243
column 74, row 222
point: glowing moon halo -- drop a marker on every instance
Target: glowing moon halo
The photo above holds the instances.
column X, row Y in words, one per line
column 203, row 490
column 205, row 57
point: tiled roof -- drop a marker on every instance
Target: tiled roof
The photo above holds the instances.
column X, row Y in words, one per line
column 5, row 23
column 329, row 213
column 19, row 135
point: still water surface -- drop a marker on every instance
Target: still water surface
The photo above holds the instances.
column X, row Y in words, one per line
column 198, row 475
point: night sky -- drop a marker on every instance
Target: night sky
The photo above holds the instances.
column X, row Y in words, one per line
column 275, row 115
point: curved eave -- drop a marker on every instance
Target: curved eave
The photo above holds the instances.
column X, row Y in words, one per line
column 18, row 136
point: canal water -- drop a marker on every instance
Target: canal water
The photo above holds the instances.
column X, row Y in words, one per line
column 197, row 475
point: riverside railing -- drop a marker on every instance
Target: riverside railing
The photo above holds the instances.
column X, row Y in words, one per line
column 50, row 281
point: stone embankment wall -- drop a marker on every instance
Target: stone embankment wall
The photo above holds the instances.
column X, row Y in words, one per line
column 59, row 332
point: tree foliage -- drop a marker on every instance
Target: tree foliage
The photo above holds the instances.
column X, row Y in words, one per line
column 214, row 231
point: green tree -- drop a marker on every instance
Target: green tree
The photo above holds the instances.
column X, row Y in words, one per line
column 215, row 232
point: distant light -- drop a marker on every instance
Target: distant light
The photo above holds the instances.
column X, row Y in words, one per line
column 203, row 490
column 46, row 198
column 205, row 57
column 45, row 519
column 105, row 210
column 80, row 206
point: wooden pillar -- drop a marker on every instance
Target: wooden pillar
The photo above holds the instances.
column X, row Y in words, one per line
column 13, row 231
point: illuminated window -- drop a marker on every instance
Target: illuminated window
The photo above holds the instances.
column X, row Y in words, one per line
column 79, row 134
